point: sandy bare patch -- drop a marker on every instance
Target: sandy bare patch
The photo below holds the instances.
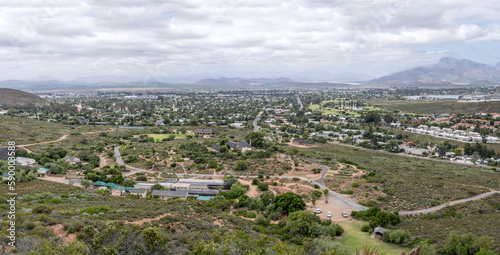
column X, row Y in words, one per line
column 148, row 220
column 253, row 192
column 58, row 229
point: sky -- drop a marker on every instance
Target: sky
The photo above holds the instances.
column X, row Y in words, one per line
column 187, row 40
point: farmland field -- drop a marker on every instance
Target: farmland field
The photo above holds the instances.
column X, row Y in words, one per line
column 438, row 107
column 159, row 137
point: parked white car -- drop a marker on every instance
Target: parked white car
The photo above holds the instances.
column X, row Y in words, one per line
column 329, row 214
column 318, row 211
column 344, row 214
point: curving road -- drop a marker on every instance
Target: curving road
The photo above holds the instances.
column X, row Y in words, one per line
column 120, row 162
column 439, row 207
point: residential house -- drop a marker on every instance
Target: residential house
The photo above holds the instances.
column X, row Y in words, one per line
column 141, row 192
column 179, row 186
column 73, row 160
column 492, row 139
column 216, row 147
column 165, row 194
column 211, row 184
column 5, row 176
column 302, row 143
column 83, row 121
column 25, row 162
column 118, row 192
column 208, row 131
column 243, row 145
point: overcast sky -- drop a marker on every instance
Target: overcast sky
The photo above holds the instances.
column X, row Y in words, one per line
column 303, row 40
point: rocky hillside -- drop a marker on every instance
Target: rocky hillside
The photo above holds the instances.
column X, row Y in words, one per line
column 14, row 98
column 449, row 70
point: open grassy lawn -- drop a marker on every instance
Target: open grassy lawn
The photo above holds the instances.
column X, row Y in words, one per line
column 159, row 137
column 355, row 239
column 438, row 107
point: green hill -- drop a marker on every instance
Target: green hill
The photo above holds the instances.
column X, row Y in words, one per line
column 16, row 98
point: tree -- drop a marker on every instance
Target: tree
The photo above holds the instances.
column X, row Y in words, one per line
column 85, row 183
column 263, row 186
column 289, row 202
column 388, row 118
column 441, row 151
column 128, row 183
column 372, row 118
column 240, row 165
column 157, row 187
column 255, row 138
column 459, row 151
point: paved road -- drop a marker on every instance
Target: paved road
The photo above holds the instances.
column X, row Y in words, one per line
column 300, row 103
column 255, row 126
column 435, row 208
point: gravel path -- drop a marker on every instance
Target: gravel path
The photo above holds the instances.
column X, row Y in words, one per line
column 438, row 207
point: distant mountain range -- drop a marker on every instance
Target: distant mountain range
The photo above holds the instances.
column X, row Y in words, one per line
column 447, row 70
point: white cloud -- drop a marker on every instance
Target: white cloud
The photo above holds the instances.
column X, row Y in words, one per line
column 231, row 37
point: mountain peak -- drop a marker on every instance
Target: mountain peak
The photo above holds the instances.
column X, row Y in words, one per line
column 447, row 63
column 447, row 69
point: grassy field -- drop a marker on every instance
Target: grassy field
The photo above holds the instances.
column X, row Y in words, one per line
column 343, row 112
column 438, row 107
column 357, row 240
column 411, row 183
column 28, row 131
column 159, row 137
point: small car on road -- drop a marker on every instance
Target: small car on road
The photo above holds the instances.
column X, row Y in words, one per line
column 344, row 214
column 317, row 211
column 329, row 214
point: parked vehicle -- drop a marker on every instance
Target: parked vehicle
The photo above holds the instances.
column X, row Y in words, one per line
column 344, row 214
column 329, row 214
column 317, row 211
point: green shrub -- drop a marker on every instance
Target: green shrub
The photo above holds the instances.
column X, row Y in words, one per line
column 95, row 209
column 355, row 184
column 42, row 209
column 251, row 215
column 397, row 236
column 365, row 228
column 73, row 226
column 347, row 191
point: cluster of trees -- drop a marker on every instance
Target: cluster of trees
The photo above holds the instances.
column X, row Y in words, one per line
column 467, row 244
column 109, row 174
column 377, row 217
column 480, row 150
column 20, row 174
